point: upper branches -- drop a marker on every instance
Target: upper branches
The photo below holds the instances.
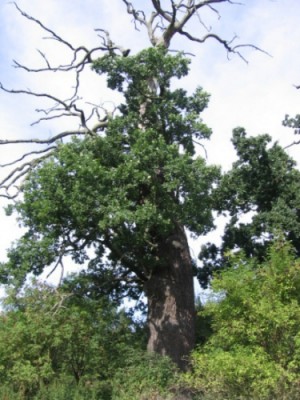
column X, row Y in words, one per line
column 91, row 118
column 165, row 20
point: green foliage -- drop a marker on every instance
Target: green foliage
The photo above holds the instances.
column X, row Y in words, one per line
column 48, row 337
column 121, row 192
column 60, row 390
column 253, row 352
column 237, row 374
column 260, row 194
column 145, row 79
column 54, row 345
column 8, row 393
column 64, row 390
column 144, row 376
column 292, row 122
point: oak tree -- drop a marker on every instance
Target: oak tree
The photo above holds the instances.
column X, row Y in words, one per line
column 127, row 183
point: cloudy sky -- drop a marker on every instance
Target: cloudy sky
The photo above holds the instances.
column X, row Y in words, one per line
column 256, row 94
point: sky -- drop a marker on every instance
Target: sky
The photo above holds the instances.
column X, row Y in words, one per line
column 255, row 94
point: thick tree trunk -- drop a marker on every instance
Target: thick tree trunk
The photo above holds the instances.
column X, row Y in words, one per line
column 171, row 303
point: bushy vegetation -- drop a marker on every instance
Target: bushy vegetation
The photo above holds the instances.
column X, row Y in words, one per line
column 49, row 337
column 254, row 351
column 54, row 345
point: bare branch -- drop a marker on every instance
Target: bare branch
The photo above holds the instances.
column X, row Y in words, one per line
column 292, row 144
column 60, row 304
column 31, row 153
column 68, row 108
column 31, row 93
column 9, row 196
column 203, row 147
column 74, row 64
column 60, row 263
column 21, row 170
column 225, row 43
column 109, row 45
column 17, row 175
column 170, row 24
column 53, row 35
column 45, row 58
column 78, row 61
column 48, row 118
column 165, row 14
column 138, row 15
column 51, row 140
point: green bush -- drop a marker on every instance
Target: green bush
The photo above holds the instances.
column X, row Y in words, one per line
column 61, row 390
column 64, row 390
column 52, row 342
column 144, row 377
column 8, row 393
column 254, row 350
column 241, row 373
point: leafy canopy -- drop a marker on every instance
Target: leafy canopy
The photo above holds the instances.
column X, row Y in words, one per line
column 122, row 192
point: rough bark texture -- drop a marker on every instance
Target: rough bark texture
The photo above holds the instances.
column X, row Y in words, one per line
column 171, row 305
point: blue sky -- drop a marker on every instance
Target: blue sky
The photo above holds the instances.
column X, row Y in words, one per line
column 255, row 95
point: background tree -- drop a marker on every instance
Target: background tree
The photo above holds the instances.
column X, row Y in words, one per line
column 260, row 195
column 132, row 185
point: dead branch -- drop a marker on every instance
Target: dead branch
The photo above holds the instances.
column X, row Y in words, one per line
column 20, row 171
column 29, row 92
column 138, row 15
column 60, row 303
column 74, row 64
column 109, row 45
column 227, row 44
column 169, row 24
column 31, row 153
column 292, row 144
column 53, row 35
column 49, row 141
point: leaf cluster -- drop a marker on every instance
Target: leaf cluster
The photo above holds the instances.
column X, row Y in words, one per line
column 145, row 80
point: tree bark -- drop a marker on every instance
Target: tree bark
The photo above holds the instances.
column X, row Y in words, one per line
column 171, row 303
